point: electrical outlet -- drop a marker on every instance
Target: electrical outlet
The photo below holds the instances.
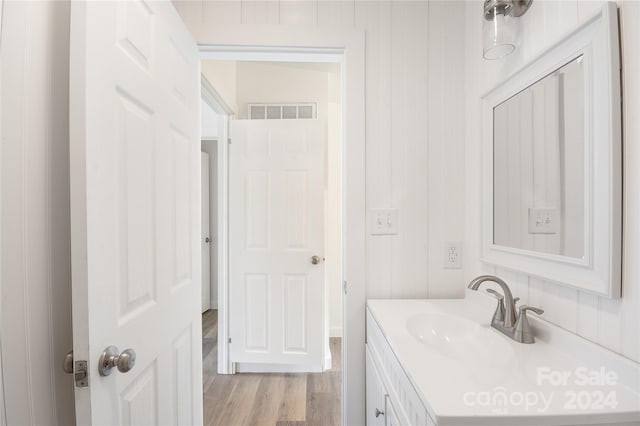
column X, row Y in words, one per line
column 384, row 221
column 452, row 253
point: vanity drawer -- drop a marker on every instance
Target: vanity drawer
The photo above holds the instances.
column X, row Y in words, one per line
column 396, row 381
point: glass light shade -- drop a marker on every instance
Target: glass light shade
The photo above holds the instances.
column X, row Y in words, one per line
column 499, row 34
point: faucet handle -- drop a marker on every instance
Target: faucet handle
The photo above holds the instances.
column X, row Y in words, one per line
column 498, row 315
column 523, row 332
column 495, row 294
column 522, row 309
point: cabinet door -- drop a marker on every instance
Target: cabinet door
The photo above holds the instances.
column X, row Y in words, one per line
column 390, row 413
column 375, row 394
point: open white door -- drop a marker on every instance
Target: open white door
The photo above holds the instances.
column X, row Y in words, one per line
column 135, row 225
column 276, row 244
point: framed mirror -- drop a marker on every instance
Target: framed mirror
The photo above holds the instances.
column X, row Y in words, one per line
column 552, row 166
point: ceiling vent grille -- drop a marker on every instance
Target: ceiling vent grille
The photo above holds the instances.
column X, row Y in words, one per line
column 282, row 111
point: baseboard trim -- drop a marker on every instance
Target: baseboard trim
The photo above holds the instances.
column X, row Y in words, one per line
column 246, row 367
column 335, row 332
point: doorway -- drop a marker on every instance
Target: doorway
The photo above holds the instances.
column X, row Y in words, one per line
column 249, row 86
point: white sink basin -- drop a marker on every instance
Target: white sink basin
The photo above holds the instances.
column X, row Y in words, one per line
column 462, row 369
column 457, row 337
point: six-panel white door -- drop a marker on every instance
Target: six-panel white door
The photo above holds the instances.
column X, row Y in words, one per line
column 276, row 226
column 135, row 225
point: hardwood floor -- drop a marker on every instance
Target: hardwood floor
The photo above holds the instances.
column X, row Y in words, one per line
column 289, row 399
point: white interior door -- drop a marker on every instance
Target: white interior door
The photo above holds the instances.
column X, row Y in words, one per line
column 135, row 226
column 205, row 239
column 276, row 226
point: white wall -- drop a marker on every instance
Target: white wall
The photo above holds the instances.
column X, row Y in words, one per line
column 285, row 82
column 610, row 323
column 35, row 267
column 414, row 136
column 222, row 76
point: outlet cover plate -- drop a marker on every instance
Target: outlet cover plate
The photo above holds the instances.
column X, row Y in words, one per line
column 452, row 255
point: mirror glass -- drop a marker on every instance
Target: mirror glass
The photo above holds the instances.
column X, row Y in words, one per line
column 539, row 165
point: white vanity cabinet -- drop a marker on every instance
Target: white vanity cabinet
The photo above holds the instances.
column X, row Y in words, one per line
column 388, row 388
column 376, row 395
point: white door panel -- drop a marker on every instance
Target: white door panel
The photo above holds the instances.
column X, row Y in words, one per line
column 276, row 219
column 135, row 173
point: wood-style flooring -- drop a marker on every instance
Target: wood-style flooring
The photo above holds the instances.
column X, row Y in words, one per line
column 274, row 399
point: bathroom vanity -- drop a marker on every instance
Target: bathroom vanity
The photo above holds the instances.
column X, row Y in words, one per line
column 551, row 209
column 439, row 362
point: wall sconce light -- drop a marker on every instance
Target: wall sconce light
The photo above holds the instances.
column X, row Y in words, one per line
column 500, row 26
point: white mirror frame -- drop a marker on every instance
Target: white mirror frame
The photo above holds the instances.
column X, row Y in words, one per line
column 599, row 271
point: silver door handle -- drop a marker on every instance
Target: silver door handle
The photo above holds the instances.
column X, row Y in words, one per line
column 67, row 363
column 111, row 357
column 315, row 260
column 207, row 240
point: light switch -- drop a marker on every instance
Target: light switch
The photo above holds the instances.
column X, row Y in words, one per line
column 544, row 221
column 383, row 221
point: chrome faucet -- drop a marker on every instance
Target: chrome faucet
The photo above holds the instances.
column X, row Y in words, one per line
column 504, row 318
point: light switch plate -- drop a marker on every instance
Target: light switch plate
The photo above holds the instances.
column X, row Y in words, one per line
column 544, row 221
column 383, row 221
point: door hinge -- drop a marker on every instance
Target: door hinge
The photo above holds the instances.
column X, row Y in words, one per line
column 344, row 287
column 229, row 140
column 80, row 374
column 229, row 339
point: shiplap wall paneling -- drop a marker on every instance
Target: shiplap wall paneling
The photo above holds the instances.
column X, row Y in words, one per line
column 260, row 12
column 229, row 12
column 193, row 10
column 375, row 18
column 332, row 12
column 446, row 144
column 610, row 323
column 290, row 12
column 36, row 282
column 300, row 12
column 410, row 144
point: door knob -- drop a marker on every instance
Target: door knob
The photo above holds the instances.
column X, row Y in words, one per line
column 67, row 363
column 111, row 357
column 207, row 240
column 315, row 259
column 379, row 413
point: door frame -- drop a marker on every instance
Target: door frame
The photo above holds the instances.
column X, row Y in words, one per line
column 212, row 98
column 3, row 408
column 302, row 44
column 205, row 166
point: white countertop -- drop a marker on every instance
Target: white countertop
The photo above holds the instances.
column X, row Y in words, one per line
column 458, row 390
